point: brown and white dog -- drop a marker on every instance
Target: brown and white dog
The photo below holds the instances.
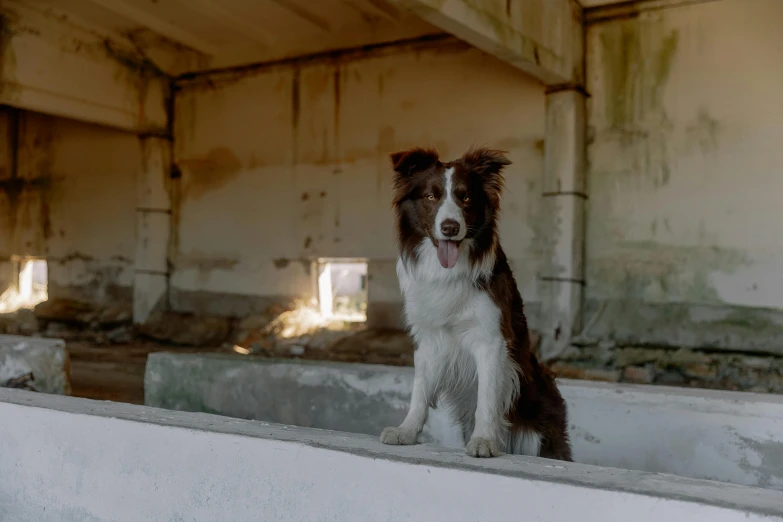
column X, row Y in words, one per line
column 465, row 313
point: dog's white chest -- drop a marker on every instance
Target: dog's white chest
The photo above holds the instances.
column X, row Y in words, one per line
column 435, row 297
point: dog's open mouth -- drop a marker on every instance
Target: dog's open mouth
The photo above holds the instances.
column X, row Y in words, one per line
column 448, row 252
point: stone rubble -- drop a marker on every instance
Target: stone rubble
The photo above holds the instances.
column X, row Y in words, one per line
column 293, row 332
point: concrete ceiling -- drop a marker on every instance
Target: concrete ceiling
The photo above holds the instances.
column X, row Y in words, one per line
column 193, row 35
column 597, row 3
column 226, row 33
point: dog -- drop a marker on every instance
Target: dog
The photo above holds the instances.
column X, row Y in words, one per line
column 465, row 314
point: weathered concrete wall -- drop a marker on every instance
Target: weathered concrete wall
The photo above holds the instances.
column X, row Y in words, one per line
column 8, row 217
column 68, row 66
column 685, row 132
column 723, row 436
column 68, row 195
column 286, row 163
column 69, row 460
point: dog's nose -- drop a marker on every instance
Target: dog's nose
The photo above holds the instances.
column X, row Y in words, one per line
column 449, row 228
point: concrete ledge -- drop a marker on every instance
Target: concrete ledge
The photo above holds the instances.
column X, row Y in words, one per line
column 727, row 436
column 66, row 460
column 46, row 359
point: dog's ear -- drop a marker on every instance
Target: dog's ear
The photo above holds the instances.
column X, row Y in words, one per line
column 408, row 162
column 487, row 163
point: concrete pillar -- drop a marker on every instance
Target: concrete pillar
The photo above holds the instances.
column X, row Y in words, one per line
column 7, row 274
column 564, row 204
column 153, row 228
column 9, row 139
column 384, row 299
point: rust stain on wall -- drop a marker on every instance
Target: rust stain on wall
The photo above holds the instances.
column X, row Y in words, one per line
column 26, row 185
column 209, row 172
column 337, row 102
column 296, row 109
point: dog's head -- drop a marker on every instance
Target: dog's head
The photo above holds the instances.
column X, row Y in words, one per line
column 449, row 203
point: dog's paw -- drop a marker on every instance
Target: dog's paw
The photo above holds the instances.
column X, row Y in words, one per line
column 480, row 447
column 398, row 436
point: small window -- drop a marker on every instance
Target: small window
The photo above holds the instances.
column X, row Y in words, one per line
column 342, row 289
column 29, row 288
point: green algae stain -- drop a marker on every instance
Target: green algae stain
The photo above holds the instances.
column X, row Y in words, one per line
column 637, row 63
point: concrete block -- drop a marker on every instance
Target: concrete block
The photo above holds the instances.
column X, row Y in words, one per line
column 727, row 436
column 66, row 460
column 46, row 359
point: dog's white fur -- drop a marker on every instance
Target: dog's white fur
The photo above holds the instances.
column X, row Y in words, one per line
column 461, row 360
column 449, row 210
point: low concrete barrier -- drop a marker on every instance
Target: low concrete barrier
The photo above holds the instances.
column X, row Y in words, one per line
column 64, row 459
column 35, row 363
column 726, row 436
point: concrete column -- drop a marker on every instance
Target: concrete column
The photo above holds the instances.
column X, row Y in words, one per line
column 153, row 228
column 9, row 142
column 7, row 274
column 384, row 300
column 564, row 204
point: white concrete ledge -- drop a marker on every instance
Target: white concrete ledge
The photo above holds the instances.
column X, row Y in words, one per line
column 64, row 459
column 704, row 434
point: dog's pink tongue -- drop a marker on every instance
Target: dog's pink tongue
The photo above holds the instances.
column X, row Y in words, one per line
column 447, row 253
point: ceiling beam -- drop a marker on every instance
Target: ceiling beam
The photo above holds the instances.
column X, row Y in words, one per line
column 56, row 67
column 157, row 25
column 541, row 37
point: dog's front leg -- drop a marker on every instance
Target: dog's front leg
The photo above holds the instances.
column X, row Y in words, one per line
column 421, row 397
column 485, row 440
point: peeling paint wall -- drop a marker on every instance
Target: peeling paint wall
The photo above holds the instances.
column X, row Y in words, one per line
column 685, row 182
column 289, row 162
column 69, row 197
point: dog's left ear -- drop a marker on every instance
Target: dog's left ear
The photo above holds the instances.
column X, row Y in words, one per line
column 488, row 163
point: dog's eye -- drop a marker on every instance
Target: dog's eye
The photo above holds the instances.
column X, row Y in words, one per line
column 430, row 197
column 466, row 199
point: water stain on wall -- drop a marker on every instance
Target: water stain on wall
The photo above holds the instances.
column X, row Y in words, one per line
column 209, row 172
column 204, row 264
column 637, row 58
column 26, row 185
column 702, row 133
column 637, row 62
column 656, row 272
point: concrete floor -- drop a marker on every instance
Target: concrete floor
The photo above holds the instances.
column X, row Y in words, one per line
column 115, row 373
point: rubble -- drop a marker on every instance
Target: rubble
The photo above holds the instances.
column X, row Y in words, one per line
column 187, row 329
column 297, row 330
column 69, row 311
column 23, row 382
column 674, row 367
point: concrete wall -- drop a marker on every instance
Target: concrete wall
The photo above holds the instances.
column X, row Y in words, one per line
column 685, row 130
column 724, row 436
column 69, row 460
column 289, row 162
column 68, row 194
